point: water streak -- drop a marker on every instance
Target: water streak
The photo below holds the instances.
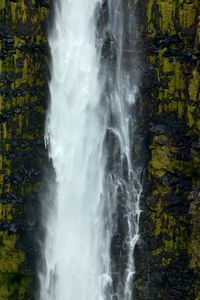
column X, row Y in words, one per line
column 93, row 226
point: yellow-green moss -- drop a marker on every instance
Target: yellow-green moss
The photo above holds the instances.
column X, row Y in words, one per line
column 166, row 261
column 194, row 86
column 139, row 284
column 193, row 117
column 187, row 14
column 149, row 17
column 10, row 257
column 6, row 212
column 24, row 68
column 13, row 6
column 10, row 289
column 167, row 13
column 163, row 14
column 176, row 97
column 2, row 4
column 163, row 158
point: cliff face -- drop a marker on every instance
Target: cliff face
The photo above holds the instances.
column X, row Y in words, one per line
column 170, row 223
column 168, row 255
column 23, row 94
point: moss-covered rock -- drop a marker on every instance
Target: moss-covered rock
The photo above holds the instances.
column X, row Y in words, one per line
column 23, row 94
column 170, row 221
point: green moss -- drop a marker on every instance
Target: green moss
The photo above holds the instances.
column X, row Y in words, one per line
column 166, row 261
column 149, row 18
column 157, row 251
column 167, row 13
column 193, row 117
column 164, row 222
column 166, row 225
column 176, row 98
column 139, row 284
column 161, row 190
column 194, row 86
column 197, row 296
column 6, row 212
column 10, row 258
column 13, row 6
column 13, row 286
column 162, row 15
column 25, row 69
column 170, row 71
column 164, row 158
column 187, row 14
column 2, row 4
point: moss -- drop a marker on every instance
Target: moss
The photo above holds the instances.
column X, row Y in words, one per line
column 21, row 105
column 170, row 71
column 33, row 188
column 161, row 190
column 6, row 212
column 187, row 14
column 166, row 261
column 167, row 17
column 167, row 13
column 164, row 222
column 2, row 4
column 157, row 251
column 174, row 165
column 10, row 257
column 13, row 6
column 149, row 17
column 163, row 158
column 193, row 117
column 13, row 289
column 173, row 235
column 194, row 86
column 139, row 284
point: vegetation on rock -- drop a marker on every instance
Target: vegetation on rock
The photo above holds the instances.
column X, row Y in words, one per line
column 23, row 95
column 171, row 218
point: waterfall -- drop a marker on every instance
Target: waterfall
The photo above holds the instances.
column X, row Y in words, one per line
column 92, row 221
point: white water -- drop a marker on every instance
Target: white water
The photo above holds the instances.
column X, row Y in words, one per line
column 83, row 220
column 122, row 180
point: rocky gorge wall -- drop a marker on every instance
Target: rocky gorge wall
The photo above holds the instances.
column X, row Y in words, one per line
column 23, row 96
column 169, row 250
column 168, row 254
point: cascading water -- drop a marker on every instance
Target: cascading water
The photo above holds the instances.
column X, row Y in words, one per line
column 92, row 227
column 122, row 186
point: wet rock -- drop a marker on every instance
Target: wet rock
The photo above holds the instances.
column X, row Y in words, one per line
column 10, row 227
column 157, row 128
column 109, row 48
column 115, row 297
column 111, row 141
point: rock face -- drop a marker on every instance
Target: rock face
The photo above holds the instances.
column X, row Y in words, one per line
column 170, row 222
column 23, row 95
